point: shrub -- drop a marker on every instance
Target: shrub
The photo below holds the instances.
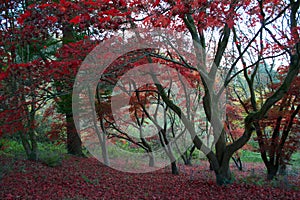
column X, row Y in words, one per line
column 52, row 159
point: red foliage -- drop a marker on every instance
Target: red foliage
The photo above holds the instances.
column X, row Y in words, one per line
column 280, row 129
column 21, row 84
column 75, row 20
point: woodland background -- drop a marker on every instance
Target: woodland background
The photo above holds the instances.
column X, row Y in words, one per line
column 251, row 47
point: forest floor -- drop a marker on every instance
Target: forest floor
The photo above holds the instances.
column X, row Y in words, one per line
column 87, row 178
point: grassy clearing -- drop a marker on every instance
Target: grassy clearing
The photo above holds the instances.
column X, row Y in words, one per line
column 48, row 153
column 13, row 148
column 249, row 156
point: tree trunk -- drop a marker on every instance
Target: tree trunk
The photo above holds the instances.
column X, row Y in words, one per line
column 187, row 157
column 30, row 147
column 188, row 161
column 271, row 171
column 28, row 137
column 34, row 147
column 221, row 168
column 150, row 153
column 282, row 169
column 210, row 166
column 238, row 163
column 174, row 168
column 105, row 153
column 223, row 175
column 184, row 158
column 151, row 159
column 101, row 135
column 73, row 140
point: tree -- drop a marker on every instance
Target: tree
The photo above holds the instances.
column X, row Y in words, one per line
column 277, row 134
column 23, row 82
column 166, row 130
column 225, row 16
column 73, row 21
column 217, row 42
column 278, row 103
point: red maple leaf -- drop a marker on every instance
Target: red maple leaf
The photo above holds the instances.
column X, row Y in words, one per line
column 52, row 19
column 75, row 20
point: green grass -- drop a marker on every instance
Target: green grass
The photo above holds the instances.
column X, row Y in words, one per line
column 48, row 153
column 13, row 146
column 295, row 162
column 249, row 156
column 52, row 153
